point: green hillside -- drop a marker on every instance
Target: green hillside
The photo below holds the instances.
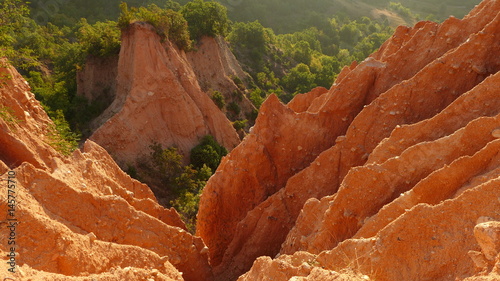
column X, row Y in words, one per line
column 287, row 47
column 282, row 16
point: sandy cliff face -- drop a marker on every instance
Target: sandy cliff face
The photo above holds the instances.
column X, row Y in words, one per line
column 216, row 68
column 413, row 125
column 80, row 217
column 158, row 99
column 97, row 80
column 391, row 174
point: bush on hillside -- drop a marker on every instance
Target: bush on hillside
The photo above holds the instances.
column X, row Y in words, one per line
column 169, row 24
column 205, row 18
column 208, row 153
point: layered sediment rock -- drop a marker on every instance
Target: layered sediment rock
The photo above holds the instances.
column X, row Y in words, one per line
column 97, row 80
column 80, row 216
column 158, row 99
column 426, row 75
column 391, row 174
column 217, row 69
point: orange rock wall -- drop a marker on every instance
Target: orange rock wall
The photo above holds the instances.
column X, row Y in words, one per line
column 428, row 74
column 81, row 216
column 159, row 100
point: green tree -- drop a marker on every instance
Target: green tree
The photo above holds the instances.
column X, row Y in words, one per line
column 240, row 124
column 256, row 97
column 299, row 80
column 205, row 18
column 100, row 39
column 184, row 183
column 61, row 137
column 302, row 52
column 349, row 33
column 15, row 29
column 218, row 99
column 167, row 164
column 208, row 153
column 169, row 24
column 250, row 35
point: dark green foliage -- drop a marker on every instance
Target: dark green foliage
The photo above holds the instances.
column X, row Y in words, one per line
column 184, row 183
column 14, row 23
column 251, row 43
column 169, row 24
column 252, row 36
column 132, row 172
column 167, row 163
column 238, row 83
column 218, row 98
column 187, row 202
column 234, row 107
column 299, row 80
column 256, row 97
column 240, row 124
column 100, row 39
column 205, row 18
column 288, row 64
column 208, row 153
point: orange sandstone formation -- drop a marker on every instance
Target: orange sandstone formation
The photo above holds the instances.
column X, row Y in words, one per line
column 216, row 69
column 158, row 99
column 416, row 75
column 391, row 174
column 80, row 216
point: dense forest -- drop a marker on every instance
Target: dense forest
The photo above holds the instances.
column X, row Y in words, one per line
column 287, row 47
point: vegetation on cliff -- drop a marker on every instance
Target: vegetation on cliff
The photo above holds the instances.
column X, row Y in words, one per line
column 50, row 44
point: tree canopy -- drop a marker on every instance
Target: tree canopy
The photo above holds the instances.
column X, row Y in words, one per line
column 205, row 18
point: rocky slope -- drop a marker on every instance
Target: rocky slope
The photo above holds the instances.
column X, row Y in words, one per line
column 80, row 217
column 391, row 174
column 97, row 80
column 408, row 135
column 217, row 69
column 158, row 99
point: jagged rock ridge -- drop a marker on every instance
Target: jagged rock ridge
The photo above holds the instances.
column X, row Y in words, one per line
column 80, row 216
column 391, row 174
column 158, row 99
column 347, row 163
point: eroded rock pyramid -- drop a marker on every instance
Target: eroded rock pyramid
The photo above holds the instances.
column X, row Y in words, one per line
column 391, row 174
column 158, row 99
column 386, row 173
column 80, row 217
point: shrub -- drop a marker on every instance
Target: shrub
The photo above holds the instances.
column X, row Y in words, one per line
column 218, row 98
column 240, row 124
column 234, row 107
column 205, row 18
column 238, row 82
column 208, row 153
column 184, row 183
column 256, row 97
column 101, row 39
column 252, row 116
column 61, row 138
column 169, row 24
column 167, row 164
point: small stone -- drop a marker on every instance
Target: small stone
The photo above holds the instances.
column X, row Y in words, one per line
column 488, row 237
column 91, row 236
column 478, row 259
column 204, row 251
column 496, row 133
